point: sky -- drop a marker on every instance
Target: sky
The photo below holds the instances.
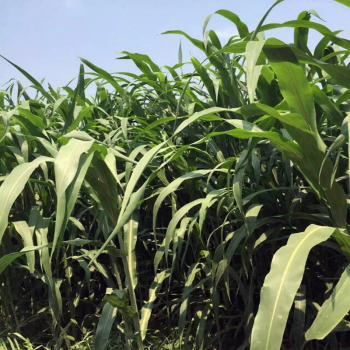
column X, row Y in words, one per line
column 47, row 37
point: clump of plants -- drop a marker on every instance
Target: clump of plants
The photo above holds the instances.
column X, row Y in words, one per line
column 171, row 210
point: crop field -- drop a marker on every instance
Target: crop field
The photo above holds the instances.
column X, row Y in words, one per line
column 197, row 206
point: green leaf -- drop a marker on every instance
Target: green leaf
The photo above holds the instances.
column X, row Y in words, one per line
column 172, row 187
column 13, row 186
column 281, row 285
column 37, row 85
column 27, row 236
column 81, row 83
column 103, row 74
column 312, row 25
column 199, row 44
column 241, row 27
column 344, row 2
column 329, row 108
column 259, row 26
column 147, row 308
column 207, row 81
column 119, row 299
column 130, row 238
column 34, row 119
column 253, row 51
column 334, row 309
column 66, row 167
column 131, row 199
column 9, row 258
column 185, row 299
column 104, row 326
column 341, row 74
column 301, row 34
column 292, row 81
column 299, row 317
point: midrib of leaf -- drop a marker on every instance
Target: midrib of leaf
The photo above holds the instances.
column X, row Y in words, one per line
column 130, row 252
column 61, row 197
column 15, row 184
column 281, row 285
column 295, row 90
column 59, row 184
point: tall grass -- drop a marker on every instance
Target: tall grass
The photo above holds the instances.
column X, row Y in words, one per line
column 174, row 210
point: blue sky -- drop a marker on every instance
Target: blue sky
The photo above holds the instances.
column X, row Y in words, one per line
column 47, row 37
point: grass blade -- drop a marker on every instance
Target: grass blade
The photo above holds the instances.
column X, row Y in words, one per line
column 13, row 186
column 281, row 285
column 334, row 309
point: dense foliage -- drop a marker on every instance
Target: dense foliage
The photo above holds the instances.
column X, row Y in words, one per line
column 174, row 210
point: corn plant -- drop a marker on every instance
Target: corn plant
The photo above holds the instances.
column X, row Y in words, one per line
column 172, row 210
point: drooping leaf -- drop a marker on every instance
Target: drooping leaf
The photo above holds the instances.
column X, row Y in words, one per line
column 13, row 186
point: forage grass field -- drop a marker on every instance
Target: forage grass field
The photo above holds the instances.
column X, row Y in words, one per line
column 171, row 210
